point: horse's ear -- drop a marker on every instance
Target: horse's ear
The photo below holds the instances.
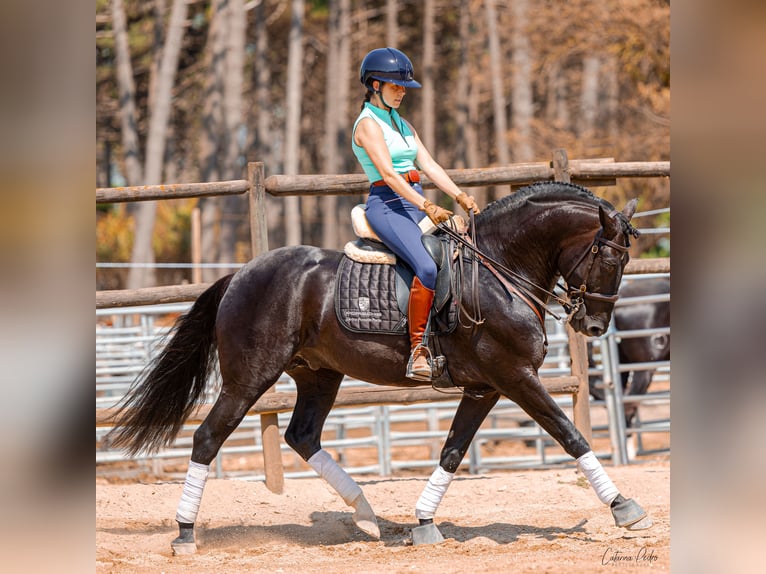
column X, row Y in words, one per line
column 630, row 209
column 606, row 219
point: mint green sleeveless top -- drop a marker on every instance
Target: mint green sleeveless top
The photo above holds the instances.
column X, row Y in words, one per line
column 401, row 144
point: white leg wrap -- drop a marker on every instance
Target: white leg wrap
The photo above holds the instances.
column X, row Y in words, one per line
column 191, row 496
column 596, row 475
column 433, row 493
column 335, row 476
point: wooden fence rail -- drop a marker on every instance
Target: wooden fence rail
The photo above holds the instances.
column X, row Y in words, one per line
column 587, row 172
column 580, row 171
column 180, row 293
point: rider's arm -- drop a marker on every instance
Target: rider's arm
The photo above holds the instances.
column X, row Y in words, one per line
column 433, row 170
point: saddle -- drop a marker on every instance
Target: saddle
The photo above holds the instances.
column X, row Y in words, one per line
column 369, row 249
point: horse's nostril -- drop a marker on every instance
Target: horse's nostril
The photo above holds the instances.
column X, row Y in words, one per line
column 595, row 331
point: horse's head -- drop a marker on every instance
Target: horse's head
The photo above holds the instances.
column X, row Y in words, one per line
column 595, row 270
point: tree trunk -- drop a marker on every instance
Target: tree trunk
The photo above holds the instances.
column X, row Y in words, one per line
column 210, row 141
column 234, row 206
column 521, row 80
column 264, row 133
column 155, row 148
column 329, row 204
column 461, row 87
column 131, row 150
column 392, row 23
column 589, row 96
column 612, row 100
column 293, row 123
column 556, row 107
column 347, row 163
column 467, row 107
column 498, row 97
column 427, row 133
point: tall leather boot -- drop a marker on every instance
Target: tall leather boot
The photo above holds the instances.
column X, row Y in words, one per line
column 418, row 309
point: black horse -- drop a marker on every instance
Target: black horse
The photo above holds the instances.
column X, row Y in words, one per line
column 639, row 349
column 276, row 314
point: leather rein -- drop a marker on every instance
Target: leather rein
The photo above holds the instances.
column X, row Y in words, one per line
column 574, row 305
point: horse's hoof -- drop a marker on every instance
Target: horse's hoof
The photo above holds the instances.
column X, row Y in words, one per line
column 183, row 548
column 628, row 513
column 364, row 518
column 184, row 544
column 642, row 524
column 426, row 534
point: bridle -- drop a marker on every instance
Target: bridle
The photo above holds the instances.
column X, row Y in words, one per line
column 576, row 296
column 574, row 304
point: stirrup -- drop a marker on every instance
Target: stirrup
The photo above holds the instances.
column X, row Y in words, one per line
column 420, row 376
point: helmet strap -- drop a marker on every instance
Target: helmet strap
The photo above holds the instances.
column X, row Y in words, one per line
column 379, row 92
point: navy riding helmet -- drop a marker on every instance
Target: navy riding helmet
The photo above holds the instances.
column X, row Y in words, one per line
column 387, row 65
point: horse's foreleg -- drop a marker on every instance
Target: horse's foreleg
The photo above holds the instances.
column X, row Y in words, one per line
column 531, row 396
column 316, row 394
column 468, row 418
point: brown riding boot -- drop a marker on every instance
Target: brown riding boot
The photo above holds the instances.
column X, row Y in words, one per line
column 418, row 309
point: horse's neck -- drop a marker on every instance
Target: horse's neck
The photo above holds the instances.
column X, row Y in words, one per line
column 528, row 240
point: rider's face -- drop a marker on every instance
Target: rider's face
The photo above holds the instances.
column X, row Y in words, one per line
column 393, row 94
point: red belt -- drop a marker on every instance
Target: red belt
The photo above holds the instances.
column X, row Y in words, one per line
column 412, row 176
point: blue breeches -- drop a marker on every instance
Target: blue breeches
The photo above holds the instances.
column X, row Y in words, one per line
column 395, row 220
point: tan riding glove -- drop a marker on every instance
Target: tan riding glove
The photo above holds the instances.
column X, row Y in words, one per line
column 435, row 213
column 467, row 202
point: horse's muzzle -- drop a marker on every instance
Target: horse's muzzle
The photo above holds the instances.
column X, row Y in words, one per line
column 589, row 326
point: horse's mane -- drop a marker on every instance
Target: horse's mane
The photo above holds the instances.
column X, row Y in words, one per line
column 544, row 190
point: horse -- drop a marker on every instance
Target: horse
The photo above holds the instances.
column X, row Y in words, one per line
column 638, row 349
column 276, row 314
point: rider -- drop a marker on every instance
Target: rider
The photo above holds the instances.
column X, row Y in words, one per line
column 389, row 150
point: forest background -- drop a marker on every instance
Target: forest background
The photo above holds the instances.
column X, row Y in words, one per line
column 190, row 91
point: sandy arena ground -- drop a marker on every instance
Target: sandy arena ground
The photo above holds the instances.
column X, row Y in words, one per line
column 503, row 521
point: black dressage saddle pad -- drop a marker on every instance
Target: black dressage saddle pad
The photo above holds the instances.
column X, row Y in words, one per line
column 366, row 299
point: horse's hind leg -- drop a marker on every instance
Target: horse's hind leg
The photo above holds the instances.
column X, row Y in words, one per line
column 316, row 394
column 531, row 396
column 239, row 392
column 468, row 418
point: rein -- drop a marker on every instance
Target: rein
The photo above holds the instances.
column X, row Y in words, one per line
column 492, row 265
column 573, row 305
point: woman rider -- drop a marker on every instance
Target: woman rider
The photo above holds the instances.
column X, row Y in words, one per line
column 389, row 150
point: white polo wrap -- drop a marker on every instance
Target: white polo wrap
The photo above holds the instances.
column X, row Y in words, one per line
column 188, row 506
column 433, row 493
column 596, row 475
column 335, row 476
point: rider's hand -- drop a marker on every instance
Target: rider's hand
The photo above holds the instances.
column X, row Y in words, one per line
column 468, row 203
column 435, row 213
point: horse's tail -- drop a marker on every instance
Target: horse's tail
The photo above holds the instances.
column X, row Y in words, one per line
column 170, row 386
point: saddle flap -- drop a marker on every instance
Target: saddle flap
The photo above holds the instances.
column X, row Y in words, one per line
column 437, row 247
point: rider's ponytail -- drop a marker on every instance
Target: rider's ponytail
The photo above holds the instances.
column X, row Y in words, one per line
column 367, row 97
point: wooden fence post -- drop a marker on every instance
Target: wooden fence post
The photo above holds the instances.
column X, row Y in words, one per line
column 561, row 166
column 578, row 347
column 259, row 242
column 578, row 355
column 196, row 245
